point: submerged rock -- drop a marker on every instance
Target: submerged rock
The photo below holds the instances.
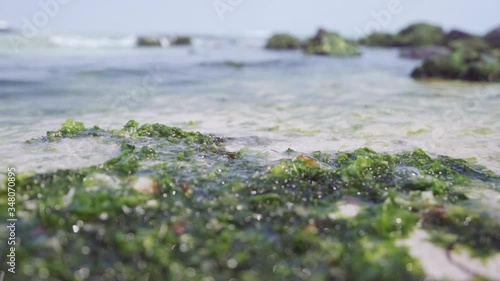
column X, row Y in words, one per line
column 283, row 42
column 422, row 52
column 330, row 44
column 493, row 37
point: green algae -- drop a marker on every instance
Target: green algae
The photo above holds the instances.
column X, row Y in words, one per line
column 69, row 129
column 223, row 215
column 418, row 132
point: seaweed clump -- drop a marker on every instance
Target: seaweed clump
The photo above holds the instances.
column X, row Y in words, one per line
column 212, row 213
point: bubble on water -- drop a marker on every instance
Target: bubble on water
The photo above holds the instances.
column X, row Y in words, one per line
column 405, row 173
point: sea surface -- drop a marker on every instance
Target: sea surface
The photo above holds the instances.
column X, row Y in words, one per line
column 266, row 101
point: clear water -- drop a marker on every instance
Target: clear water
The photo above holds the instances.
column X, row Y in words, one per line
column 277, row 100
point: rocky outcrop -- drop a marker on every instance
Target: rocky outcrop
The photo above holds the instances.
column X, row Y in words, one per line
column 462, row 64
column 330, row 44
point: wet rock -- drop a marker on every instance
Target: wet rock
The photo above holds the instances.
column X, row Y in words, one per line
column 493, row 37
column 420, row 34
column 422, row 52
column 283, row 42
column 330, row 44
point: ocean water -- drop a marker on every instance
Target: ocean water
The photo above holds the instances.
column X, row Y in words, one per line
column 263, row 100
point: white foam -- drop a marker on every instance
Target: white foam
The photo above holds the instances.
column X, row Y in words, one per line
column 93, row 43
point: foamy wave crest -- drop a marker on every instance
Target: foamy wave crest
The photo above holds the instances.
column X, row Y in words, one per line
column 88, row 42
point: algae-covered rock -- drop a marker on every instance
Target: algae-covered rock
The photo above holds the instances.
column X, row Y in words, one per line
column 181, row 41
column 330, row 44
column 283, row 42
column 462, row 64
column 149, row 42
column 176, row 205
column 493, row 37
column 379, row 39
column 420, row 34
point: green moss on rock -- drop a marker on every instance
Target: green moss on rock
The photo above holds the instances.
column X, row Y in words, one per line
column 70, row 128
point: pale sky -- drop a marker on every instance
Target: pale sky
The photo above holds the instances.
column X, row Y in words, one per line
column 242, row 16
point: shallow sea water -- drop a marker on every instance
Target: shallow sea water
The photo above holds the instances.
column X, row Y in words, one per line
column 262, row 101
column 274, row 101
